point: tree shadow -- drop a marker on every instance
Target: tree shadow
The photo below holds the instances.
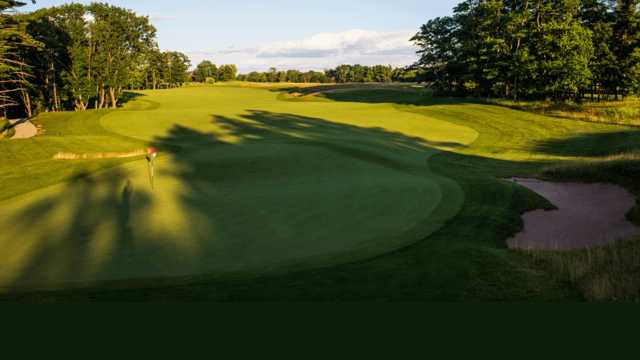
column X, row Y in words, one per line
column 67, row 230
column 373, row 94
column 94, row 241
column 592, row 145
column 281, row 126
column 128, row 96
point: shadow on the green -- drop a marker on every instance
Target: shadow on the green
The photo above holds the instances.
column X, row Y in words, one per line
column 467, row 259
column 592, row 145
column 64, row 248
column 128, row 96
column 374, row 94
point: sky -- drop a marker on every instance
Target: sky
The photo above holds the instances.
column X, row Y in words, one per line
column 287, row 34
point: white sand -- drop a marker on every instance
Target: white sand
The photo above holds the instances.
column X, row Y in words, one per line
column 24, row 129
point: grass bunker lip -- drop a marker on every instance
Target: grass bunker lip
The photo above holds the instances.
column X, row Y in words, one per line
column 588, row 215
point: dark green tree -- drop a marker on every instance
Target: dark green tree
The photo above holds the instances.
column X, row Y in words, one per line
column 227, row 73
column 206, row 70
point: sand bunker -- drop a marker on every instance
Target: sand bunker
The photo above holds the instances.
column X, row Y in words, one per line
column 588, row 215
column 24, row 129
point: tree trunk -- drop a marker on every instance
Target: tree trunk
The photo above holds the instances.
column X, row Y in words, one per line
column 102, row 98
column 114, row 98
column 56, row 100
column 80, row 104
column 26, row 99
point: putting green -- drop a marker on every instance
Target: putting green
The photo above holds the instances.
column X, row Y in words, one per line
column 245, row 182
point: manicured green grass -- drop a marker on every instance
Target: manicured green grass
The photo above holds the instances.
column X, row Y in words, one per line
column 273, row 194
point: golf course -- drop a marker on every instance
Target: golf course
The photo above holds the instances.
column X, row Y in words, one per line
column 291, row 192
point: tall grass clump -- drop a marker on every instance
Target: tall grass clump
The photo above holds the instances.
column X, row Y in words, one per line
column 608, row 273
column 620, row 114
column 6, row 130
column 625, row 112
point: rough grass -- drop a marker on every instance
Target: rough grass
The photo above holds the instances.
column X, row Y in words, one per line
column 243, row 155
column 6, row 131
column 609, row 273
column 625, row 112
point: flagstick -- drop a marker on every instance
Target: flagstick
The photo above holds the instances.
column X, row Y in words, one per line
column 152, row 153
column 151, row 173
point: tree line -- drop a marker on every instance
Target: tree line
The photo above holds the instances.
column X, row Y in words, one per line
column 76, row 57
column 528, row 49
column 206, row 72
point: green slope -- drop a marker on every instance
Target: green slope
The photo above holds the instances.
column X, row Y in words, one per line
column 263, row 181
column 247, row 183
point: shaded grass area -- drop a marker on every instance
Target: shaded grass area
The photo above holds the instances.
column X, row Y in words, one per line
column 408, row 94
column 608, row 273
column 465, row 260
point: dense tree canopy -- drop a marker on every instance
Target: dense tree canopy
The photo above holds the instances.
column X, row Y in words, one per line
column 534, row 48
column 79, row 57
column 13, row 75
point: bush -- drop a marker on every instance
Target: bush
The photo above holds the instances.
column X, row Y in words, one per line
column 9, row 133
column 4, row 128
column 4, row 124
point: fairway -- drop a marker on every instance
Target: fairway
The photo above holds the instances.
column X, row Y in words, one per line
column 246, row 182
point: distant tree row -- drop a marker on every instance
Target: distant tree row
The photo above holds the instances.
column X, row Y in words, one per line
column 207, row 71
column 534, row 49
column 341, row 74
column 79, row 57
column 280, row 76
column 369, row 74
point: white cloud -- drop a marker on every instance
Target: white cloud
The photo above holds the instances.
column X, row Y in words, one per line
column 320, row 51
